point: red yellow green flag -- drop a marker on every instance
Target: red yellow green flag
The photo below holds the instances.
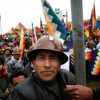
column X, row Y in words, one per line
column 22, row 44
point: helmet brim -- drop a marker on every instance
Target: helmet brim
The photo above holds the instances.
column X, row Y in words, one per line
column 32, row 54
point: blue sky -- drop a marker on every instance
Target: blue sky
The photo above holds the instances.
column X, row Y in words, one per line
column 27, row 11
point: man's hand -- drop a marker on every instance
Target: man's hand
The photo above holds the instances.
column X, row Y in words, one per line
column 79, row 92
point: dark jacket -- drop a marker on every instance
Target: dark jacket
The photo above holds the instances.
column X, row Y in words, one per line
column 4, row 84
column 34, row 89
column 28, row 68
column 97, row 93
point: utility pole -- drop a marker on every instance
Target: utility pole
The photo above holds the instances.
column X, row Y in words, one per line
column 78, row 41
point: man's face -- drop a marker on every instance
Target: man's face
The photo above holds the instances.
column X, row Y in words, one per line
column 47, row 64
column 17, row 56
column 17, row 80
column 7, row 52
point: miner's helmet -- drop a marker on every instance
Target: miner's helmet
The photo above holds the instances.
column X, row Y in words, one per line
column 16, row 51
column 48, row 43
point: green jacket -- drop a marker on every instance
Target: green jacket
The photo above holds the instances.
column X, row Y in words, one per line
column 4, row 84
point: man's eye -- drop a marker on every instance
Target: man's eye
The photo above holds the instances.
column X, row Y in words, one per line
column 40, row 57
column 55, row 58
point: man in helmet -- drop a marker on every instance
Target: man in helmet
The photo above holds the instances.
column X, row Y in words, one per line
column 48, row 81
column 15, row 61
column 7, row 54
column 90, row 45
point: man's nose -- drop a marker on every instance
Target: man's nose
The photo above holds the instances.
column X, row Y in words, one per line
column 47, row 63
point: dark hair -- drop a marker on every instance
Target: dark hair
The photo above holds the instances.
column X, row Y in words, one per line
column 2, row 60
column 16, row 73
column 8, row 48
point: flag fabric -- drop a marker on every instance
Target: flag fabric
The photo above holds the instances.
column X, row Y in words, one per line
column 86, row 23
column 94, row 59
column 98, row 24
column 93, row 21
column 91, row 25
column 20, row 27
column 70, row 43
column 55, row 26
column 22, row 44
column 88, row 31
column 12, row 33
column 93, row 17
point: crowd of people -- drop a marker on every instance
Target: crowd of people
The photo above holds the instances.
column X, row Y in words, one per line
column 12, row 68
column 39, row 76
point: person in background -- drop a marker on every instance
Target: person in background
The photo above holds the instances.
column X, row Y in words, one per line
column 48, row 81
column 7, row 54
column 97, row 39
column 15, row 61
column 5, row 86
column 27, row 42
column 17, row 77
column 5, row 45
column 90, row 45
column 16, row 41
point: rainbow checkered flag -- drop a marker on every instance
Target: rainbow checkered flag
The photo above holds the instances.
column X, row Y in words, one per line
column 94, row 59
column 54, row 25
column 22, row 44
column 93, row 20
